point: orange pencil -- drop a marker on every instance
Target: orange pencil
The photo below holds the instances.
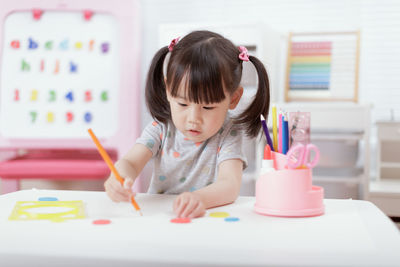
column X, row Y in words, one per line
column 110, row 165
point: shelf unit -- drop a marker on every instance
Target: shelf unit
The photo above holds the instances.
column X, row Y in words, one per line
column 385, row 189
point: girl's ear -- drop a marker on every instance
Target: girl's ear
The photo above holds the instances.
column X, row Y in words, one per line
column 236, row 97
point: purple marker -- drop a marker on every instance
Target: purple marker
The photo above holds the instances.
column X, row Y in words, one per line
column 266, row 132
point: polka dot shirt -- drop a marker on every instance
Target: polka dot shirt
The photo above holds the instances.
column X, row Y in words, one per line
column 181, row 165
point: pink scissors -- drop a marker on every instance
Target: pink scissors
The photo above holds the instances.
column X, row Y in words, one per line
column 298, row 156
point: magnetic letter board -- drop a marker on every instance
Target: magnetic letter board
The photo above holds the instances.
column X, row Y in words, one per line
column 67, row 66
column 57, row 81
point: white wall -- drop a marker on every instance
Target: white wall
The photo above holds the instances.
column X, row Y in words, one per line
column 379, row 22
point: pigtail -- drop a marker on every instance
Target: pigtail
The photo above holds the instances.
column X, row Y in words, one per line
column 250, row 118
column 156, row 97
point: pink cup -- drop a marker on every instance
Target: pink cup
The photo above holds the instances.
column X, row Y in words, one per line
column 288, row 192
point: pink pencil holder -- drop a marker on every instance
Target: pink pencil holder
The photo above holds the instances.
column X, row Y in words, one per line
column 288, row 192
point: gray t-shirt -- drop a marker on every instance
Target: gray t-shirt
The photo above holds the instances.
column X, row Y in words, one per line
column 181, row 165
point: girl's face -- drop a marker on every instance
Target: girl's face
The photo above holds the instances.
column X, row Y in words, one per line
column 198, row 122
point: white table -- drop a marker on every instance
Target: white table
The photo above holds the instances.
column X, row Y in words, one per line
column 351, row 233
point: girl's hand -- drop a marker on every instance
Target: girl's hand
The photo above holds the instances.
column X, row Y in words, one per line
column 116, row 191
column 189, row 205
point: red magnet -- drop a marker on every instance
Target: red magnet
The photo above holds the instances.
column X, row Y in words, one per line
column 87, row 14
column 101, row 222
column 37, row 13
column 181, row 220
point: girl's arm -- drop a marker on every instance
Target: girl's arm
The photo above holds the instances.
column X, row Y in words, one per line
column 129, row 168
column 224, row 191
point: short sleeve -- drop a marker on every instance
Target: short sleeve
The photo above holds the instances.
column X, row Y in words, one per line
column 151, row 137
column 231, row 146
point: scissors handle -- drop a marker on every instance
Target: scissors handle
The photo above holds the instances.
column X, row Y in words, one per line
column 295, row 156
column 309, row 148
column 299, row 154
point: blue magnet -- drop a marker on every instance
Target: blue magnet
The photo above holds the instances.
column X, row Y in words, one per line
column 231, row 219
column 48, row 199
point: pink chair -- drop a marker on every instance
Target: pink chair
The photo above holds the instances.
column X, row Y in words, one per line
column 53, row 164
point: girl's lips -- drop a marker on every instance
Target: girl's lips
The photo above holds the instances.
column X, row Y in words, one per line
column 193, row 132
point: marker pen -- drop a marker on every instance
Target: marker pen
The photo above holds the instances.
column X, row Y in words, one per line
column 268, row 162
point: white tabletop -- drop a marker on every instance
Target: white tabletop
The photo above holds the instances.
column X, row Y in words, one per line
column 350, row 233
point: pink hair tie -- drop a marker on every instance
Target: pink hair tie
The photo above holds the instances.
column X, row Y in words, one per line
column 173, row 43
column 244, row 55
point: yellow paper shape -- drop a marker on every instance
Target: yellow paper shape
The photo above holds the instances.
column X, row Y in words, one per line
column 57, row 211
column 219, row 214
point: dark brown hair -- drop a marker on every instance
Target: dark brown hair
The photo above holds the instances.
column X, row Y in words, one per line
column 210, row 65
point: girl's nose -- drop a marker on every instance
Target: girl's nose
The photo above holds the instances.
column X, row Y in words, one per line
column 194, row 115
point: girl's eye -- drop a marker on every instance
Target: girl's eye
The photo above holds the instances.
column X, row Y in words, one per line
column 208, row 108
column 182, row 104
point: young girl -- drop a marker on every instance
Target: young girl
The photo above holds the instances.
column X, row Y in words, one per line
column 194, row 142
